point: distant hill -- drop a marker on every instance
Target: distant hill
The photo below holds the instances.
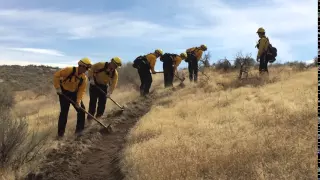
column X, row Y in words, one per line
column 31, row 77
column 39, row 78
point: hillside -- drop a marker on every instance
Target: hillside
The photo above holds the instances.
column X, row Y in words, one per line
column 29, row 110
column 220, row 128
column 20, row 78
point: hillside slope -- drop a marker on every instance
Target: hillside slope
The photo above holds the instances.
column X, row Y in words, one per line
column 213, row 130
column 20, row 78
column 218, row 129
column 32, row 109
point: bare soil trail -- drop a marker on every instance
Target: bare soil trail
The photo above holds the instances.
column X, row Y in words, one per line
column 94, row 156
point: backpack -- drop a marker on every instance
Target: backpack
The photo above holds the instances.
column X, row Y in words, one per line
column 138, row 61
column 69, row 77
column 168, row 57
column 191, row 54
column 271, row 52
column 104, row 70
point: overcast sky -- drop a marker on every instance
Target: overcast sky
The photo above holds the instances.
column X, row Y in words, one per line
column 61, row 32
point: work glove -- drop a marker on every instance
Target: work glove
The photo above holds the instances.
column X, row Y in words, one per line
column 58, row 90
column 91, row 81
column 77, row 105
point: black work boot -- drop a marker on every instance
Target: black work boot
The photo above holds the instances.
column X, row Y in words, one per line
column 59, row 137
column 78, row 133
column 141, row 93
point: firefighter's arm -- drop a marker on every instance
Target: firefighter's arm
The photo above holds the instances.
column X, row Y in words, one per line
column 82, row 89
column 114, row 81
column 262, row 46
column 178, row 60
column 59, row 75
column 153, row 63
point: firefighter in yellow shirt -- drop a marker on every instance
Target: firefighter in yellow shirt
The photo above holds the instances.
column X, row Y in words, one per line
column 194, row 55
column 71, row 82
column 144, row 64
column 262, row 46
column 170, row 65
column 101, row 75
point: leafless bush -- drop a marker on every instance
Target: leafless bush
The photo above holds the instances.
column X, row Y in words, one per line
column 224, row 65
column 243, row 63
column 241, row 60
column 18, row 145
column 205, row 61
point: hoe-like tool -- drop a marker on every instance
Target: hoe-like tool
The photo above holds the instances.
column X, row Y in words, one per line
column 181, row 80
column 121, row 107
column 106, row 129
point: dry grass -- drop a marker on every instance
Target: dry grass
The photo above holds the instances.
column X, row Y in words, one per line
column 39, row 113
column 260, row 129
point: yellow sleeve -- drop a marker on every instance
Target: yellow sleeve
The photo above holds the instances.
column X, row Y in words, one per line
column 178, row 60
column 152, row 60
column 61, row 74
column 262, row 46
column 199, row 54
column 114, row 81
column 82, row 88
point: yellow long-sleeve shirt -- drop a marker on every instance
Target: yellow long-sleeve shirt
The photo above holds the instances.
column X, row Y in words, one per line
column 263, row 45
column 176, row 62
column 151, row 58
column 197, row 52
column 72, row 85
column 103, row 77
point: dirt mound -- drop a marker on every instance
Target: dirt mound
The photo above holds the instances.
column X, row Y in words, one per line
column 95, row 155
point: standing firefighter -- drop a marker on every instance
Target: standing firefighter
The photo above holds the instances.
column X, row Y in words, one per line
column 71, row 82
column 170, row 65
column 194, row 55
column 100, row 76
column 266, row 53
column 144, row 64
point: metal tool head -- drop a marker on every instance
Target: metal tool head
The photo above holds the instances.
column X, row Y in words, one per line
column 107, row 130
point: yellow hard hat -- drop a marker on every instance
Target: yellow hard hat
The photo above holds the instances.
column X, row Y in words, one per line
column 85, row 62
column 158, row 51
column 183, row 55
column 117, row 61
column 261, row 30
column 203, row 47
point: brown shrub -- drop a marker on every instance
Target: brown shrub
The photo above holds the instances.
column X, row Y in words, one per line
column 18, row 145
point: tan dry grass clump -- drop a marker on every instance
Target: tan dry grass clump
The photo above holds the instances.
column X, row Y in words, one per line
column 206, row 131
